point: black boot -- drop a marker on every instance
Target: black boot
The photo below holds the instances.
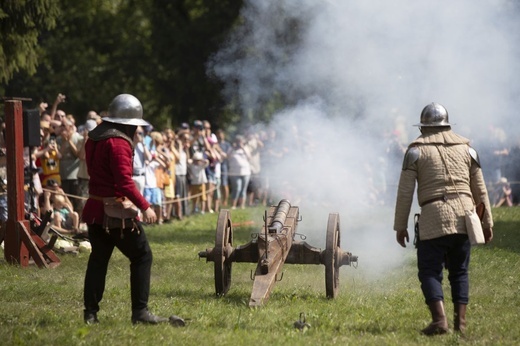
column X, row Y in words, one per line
column 145, row 316
column 460, row 317
column 90, row 317
column 439, row 324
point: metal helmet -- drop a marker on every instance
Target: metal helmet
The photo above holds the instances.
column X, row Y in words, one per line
column 126, row 109
column 434, row 114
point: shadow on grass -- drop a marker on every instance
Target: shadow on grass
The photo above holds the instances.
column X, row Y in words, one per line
column 190, row 235
column 507, row 230
column 237, row 298
column 241, row 296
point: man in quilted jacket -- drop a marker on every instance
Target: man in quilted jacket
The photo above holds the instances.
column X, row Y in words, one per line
column 449, row 181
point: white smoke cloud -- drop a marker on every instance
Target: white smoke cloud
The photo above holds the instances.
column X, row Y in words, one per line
column 356, row 74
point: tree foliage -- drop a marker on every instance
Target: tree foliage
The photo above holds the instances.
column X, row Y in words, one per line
column 21, row 22
column 96, row 51
column 185, row 34
column 154, row 49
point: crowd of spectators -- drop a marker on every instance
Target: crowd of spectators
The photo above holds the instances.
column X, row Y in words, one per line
column 189, row 170
column 183, row 171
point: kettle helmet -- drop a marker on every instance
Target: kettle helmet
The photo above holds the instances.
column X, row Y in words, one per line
column 434, row 114
column 126, row 109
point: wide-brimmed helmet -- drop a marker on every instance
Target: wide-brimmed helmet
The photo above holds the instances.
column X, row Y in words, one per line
column 126, row 109
column 434, row 114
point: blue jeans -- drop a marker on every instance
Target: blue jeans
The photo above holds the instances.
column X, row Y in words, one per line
column 238, row 184
column 452, row 251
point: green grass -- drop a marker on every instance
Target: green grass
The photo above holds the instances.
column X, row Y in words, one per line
column 44, row 306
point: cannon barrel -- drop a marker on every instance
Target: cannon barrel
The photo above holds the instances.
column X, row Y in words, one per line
column 280, row 216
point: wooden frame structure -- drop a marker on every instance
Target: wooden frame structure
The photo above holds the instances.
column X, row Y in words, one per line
column 20, row 242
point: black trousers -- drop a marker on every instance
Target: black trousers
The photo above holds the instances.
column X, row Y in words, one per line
column 452, row 252
column 135, row 247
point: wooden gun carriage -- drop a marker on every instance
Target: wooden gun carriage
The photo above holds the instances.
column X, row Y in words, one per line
column 271, row 248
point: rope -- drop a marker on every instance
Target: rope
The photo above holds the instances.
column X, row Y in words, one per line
column 175, row 200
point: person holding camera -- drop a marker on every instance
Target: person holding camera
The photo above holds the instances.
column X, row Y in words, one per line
column 239, row 171
column 70, row 142
column 50, row 157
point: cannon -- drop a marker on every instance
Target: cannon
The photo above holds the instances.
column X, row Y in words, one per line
column 271, row 248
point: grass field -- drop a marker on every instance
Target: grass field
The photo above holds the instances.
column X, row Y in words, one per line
column 44, row 306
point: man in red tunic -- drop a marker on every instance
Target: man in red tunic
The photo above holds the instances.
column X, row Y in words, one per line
column 109, row 154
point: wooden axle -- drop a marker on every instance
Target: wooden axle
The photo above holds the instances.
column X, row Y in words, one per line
column 300, row 253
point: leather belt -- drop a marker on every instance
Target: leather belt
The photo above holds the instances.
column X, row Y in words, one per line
column 97, row 198
column 444, row 198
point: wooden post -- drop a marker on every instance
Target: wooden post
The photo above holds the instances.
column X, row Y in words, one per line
column 15, row 251
column 21, row 243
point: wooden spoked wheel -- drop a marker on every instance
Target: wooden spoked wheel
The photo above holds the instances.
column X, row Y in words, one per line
column 223, row 249
column 331, row 256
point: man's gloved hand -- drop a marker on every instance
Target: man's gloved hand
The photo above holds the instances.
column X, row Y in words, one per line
column 488, row 234
column 401, row 236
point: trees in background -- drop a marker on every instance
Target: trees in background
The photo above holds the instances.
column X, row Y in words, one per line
column 92, row 50
column 21, row 23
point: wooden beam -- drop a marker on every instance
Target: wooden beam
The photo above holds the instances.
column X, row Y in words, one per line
column 20, row 242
